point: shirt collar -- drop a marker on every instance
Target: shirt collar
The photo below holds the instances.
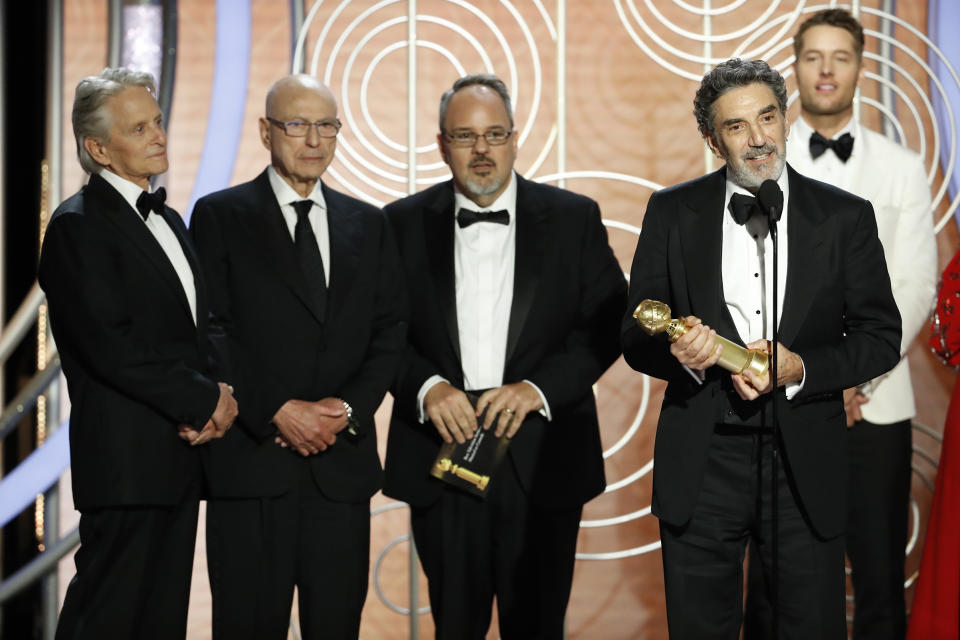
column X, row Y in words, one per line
column 507, row 200
column 129, row 190
column 285, row 194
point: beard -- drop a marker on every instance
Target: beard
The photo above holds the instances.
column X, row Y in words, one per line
column 749, row 178
column 487, row 186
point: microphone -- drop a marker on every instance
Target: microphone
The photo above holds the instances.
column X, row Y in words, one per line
column 770, row 199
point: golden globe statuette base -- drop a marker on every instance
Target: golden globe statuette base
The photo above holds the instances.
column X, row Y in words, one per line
column 653, row 317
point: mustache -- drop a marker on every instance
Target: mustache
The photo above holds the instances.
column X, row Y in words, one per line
column 479, row 159
column 759, row 151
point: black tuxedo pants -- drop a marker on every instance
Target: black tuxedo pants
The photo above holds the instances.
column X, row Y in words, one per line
column 134, row 567
column 258, row 549
column 879, row 501
column 703, row 559
column 472, row 550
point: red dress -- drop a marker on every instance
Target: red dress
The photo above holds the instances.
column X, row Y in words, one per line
column 935, row 614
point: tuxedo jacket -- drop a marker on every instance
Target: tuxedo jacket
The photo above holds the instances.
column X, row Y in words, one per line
column 838, row 315
column 281, row 346
column 136, row 363
column 568, row 294
column 894, row 180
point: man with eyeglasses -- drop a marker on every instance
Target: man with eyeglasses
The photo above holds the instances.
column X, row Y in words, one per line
column 306, row 284
column 517, row 300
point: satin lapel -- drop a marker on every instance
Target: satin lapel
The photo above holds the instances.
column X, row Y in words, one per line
column 804, row 239
column 531, row 229
column 438, row 238
column 109, row 202
column 701, row 239
column 345, row 239
column 269, row 233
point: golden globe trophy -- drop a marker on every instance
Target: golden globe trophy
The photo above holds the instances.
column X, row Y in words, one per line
column 654, row 317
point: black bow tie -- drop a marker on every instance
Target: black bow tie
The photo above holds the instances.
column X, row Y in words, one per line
column 148, row 202
column 742, row 207
column 466, row 217
column 842, row 146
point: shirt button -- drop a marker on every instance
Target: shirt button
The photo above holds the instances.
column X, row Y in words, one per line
column 756, row 275
column 758, row 311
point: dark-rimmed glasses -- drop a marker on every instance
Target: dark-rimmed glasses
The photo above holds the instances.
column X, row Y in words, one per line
column 469, row 138
column 300, row 129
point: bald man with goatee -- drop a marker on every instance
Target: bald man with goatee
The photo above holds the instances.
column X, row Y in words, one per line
column 305, row 283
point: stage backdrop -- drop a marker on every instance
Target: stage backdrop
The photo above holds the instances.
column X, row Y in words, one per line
column 603, row 94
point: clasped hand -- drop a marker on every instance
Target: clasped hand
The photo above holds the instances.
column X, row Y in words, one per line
column 310, row 427
column 223, row 416
column 454, row 417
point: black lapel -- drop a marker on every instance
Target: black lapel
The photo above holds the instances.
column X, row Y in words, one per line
column 701, row 239
column 268, row 230
column 804, row 218
column 109, row 202
column 438, row 221
column 345, row 239
column 176, row 223
column 531, row 221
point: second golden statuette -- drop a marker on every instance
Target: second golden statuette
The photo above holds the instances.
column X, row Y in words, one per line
column 653, row 317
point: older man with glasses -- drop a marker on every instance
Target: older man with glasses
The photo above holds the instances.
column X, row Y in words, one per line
column 517, row 300
column 306, row 285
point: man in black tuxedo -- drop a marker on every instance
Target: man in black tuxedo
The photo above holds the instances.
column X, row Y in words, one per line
column 307, row 285
column 838, row 327
column 128, row 309
column 520, row 303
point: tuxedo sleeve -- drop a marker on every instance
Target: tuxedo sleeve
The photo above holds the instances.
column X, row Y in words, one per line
column 870, row 341
column 93, row 321
column 591, row 345
column 259, row 394
column 913, row 259
column 364, row 390
column 650, row 278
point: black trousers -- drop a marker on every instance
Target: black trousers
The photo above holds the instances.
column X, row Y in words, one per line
column 879, row 490
column 473, row 549
column 258, row 549
column 703, row 559
column 134, row 567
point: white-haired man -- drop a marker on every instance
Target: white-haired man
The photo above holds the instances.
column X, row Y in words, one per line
column 128, row 311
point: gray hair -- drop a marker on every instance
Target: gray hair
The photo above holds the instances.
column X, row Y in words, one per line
column 732, row 74
column 91, row 118
column 484, row 79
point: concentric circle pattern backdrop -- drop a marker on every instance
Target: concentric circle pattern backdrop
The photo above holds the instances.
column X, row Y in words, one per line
column 603, row 96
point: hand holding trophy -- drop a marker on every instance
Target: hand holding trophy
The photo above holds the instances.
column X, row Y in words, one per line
column 654, row 317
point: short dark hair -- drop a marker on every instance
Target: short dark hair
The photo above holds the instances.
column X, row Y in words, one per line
column 483, row 79
column 839, row 18
column 732, row 74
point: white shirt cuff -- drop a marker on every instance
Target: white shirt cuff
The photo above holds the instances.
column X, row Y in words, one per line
column 426, row 386
column 699, row 376
column 545, row 412
column 794, row 388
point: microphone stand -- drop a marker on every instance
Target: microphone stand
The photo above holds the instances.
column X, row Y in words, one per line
column 775, row 449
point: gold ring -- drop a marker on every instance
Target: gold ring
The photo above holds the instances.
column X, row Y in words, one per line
column 508, row 410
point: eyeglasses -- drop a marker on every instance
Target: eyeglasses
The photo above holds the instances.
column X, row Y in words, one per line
column 469, row 138
column 300, row 129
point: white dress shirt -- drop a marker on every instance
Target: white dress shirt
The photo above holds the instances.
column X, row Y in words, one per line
column 894, row 180
column 164, row 235
column 484, row 258
column 746, row 267
column 747, row 270
column 286, row 196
